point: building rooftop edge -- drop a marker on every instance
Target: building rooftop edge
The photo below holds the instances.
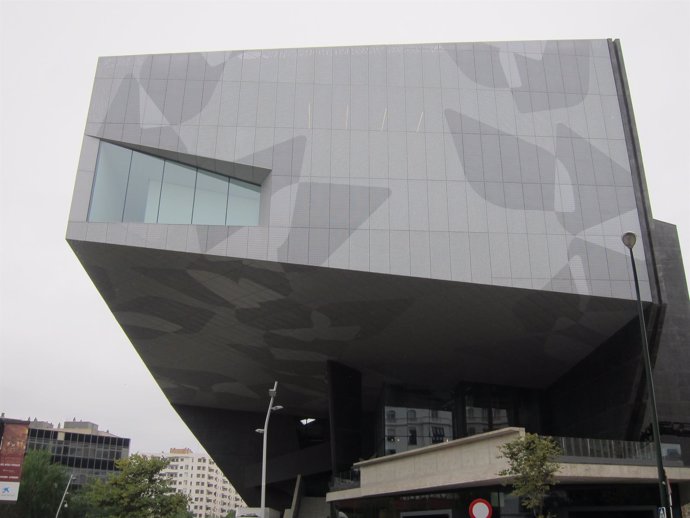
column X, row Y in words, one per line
column 365, row 45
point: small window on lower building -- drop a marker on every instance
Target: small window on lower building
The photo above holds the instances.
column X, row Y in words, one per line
column 438, row 434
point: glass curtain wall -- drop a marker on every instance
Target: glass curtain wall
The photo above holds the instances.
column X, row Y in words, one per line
column 488, row 408
column 414, row 418
column 134, row 187
column 409, row 428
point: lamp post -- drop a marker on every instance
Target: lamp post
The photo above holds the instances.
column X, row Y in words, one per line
column 264, row 431
column 629, row 240
column 71, row 478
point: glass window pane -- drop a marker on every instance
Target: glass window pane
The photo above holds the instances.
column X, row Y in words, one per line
column 110, row 186
column 144, row 188
column 477, row 406
column 243, row 204
column 210, row 199
column 177, row 194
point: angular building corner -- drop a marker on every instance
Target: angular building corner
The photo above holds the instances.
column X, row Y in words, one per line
column 421, row 243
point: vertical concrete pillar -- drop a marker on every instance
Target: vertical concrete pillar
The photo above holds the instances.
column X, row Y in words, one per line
column 684, row 504
column 345, row 412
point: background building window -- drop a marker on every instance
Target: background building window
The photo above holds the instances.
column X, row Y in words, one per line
column 412, row 437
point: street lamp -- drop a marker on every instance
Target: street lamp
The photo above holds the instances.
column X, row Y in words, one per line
column 629, row 240
column 264, row 431
column 71, row 478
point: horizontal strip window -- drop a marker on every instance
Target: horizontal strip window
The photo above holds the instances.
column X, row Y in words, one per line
column 134, row 187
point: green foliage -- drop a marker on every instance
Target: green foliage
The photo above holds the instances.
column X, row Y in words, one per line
column 40, row 488
column 231, row 513
column 137, row 491
column 532, row 464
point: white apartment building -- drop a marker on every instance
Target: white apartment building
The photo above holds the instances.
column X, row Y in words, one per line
column 210, row 494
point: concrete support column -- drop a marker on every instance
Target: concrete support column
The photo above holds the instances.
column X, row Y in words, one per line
column 684, row 504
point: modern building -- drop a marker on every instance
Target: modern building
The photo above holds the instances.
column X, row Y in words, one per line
column 80, row 446
column 196, row 475
column 420, row 243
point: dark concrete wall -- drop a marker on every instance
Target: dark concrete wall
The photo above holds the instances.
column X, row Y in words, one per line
column 597, row 398
column 672, row 365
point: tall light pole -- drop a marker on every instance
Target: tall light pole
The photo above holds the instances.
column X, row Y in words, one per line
column 71, row 478
column 629, row 240
column 264, row 431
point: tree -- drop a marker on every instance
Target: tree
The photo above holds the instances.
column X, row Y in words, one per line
column 137, row 491
column 533, row 466
column 40, row 488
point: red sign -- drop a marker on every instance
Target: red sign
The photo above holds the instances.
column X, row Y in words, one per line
column 12, row 450
column 480, row 508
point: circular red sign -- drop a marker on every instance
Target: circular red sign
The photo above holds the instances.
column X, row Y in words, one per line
column 480, row 508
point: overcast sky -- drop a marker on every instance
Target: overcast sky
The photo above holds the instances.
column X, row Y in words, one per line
column 62, row 354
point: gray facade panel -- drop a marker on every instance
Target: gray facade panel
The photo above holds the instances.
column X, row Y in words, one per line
column 519, row 142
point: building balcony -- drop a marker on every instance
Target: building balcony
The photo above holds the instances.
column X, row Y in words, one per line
column 476, row 461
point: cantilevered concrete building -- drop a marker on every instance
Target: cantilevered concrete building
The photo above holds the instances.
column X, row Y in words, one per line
column 421, row 243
